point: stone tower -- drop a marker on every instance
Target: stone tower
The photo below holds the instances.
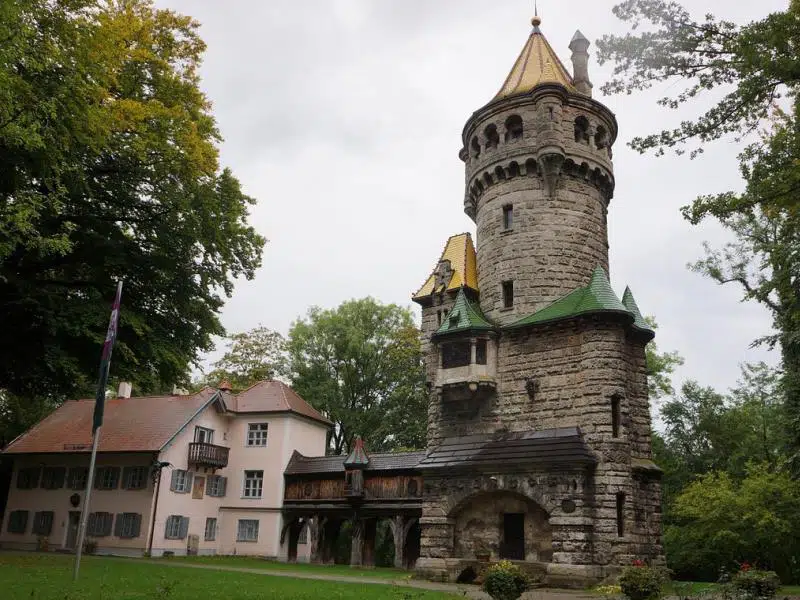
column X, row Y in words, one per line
column 538, row 422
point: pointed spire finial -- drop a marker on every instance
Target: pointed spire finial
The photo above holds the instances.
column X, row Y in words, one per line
column 536, row 20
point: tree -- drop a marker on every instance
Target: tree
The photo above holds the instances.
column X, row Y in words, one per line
column 660, row 367
column 361, row 365
column 252, row 356
column 721, row 522
column 754, row 63
column 109, row 169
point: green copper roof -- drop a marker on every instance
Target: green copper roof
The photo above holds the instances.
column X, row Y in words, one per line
column 595, row 297
column 464, row 316
column 358, row 456
column 630, row 304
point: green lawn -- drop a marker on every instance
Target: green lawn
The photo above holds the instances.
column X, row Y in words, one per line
column 699, row 587
column 249, row 562
column 49, row 577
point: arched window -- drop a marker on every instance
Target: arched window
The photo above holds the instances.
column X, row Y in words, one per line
column 582, row 130
column 601, row 137
column 492, row 137
column 499, row 173
column 476, row 147
column 513, row 128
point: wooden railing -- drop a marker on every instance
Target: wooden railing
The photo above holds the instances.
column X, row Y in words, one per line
column 208, row 455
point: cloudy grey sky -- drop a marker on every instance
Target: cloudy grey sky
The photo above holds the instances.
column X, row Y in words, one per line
column 343, row 119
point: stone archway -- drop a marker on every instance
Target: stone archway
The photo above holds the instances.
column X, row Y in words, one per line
column 501, row 524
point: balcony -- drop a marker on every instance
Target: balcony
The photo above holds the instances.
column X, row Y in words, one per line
column 208, row 455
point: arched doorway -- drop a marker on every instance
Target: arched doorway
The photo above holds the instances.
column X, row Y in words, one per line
column 502, row 524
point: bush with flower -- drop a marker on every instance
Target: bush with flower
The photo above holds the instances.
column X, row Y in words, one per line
column 642, row 582
column 505, row 581
column 752, row 583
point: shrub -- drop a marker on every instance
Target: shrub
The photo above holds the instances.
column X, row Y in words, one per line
column 505, row 581
column 755, row 584
column 640, row 582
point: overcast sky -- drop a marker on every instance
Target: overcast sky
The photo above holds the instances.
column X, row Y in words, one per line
column 343, row 119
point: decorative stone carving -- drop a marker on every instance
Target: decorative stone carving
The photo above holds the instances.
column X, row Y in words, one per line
column 531, row 386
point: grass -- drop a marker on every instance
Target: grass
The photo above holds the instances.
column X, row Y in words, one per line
column 691, row 588
column 249, row 562
column 49, row 577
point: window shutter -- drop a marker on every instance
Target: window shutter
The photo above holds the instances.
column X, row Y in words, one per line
column 118, row 524
column 174, row 483
column 108, row 522
column 189, row 479
column 126, row 478
column 222, row 486
column 167, row 523
column 59, row 477
column 91, row 524
column 115, row 477
column 137, row 525
column 184, row 530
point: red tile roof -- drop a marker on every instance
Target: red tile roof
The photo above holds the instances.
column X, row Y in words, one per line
column 138, row 424
column 147, row 423
column 272, row 396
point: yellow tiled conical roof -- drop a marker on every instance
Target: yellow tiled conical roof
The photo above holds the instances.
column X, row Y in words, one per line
column 460, row 253
column 537, row 64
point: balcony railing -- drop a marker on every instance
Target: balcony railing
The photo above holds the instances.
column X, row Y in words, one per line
column 208, row 455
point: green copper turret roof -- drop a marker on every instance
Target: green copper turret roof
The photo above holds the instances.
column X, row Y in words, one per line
column 630, row 304
column 464, row 316
column 595, row 297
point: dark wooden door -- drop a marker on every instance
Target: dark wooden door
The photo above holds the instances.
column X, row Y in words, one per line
column 513, row 546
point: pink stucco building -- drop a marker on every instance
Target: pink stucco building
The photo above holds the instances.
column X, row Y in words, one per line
column 199, row 473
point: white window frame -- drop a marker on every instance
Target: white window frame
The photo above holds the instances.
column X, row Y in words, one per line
column 182, row 482
column 213, row 485
column 79, row 473
column 253, row 486
column 257, row 434
column 108, row 476
column 136, row 475
column 172, row 529
column 128, row 523
column 210, row 534
column 246, row 531
column 204, row 432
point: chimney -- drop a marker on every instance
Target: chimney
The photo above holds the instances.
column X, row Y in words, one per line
column 124, row 390
column 580, row 63
column 224, row 386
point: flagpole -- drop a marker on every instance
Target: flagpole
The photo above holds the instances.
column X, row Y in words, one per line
column 97, row 424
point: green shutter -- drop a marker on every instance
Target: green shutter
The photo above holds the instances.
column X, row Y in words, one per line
column 184, row 530
column 173, row 485
column 137, row 525
column 118, row 523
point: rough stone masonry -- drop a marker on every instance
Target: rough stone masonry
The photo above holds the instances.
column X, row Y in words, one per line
column 539, row 444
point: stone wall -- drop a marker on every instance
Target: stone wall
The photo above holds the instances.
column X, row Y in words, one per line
column 479, row 526
column 558, row 238
column 459, row 508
